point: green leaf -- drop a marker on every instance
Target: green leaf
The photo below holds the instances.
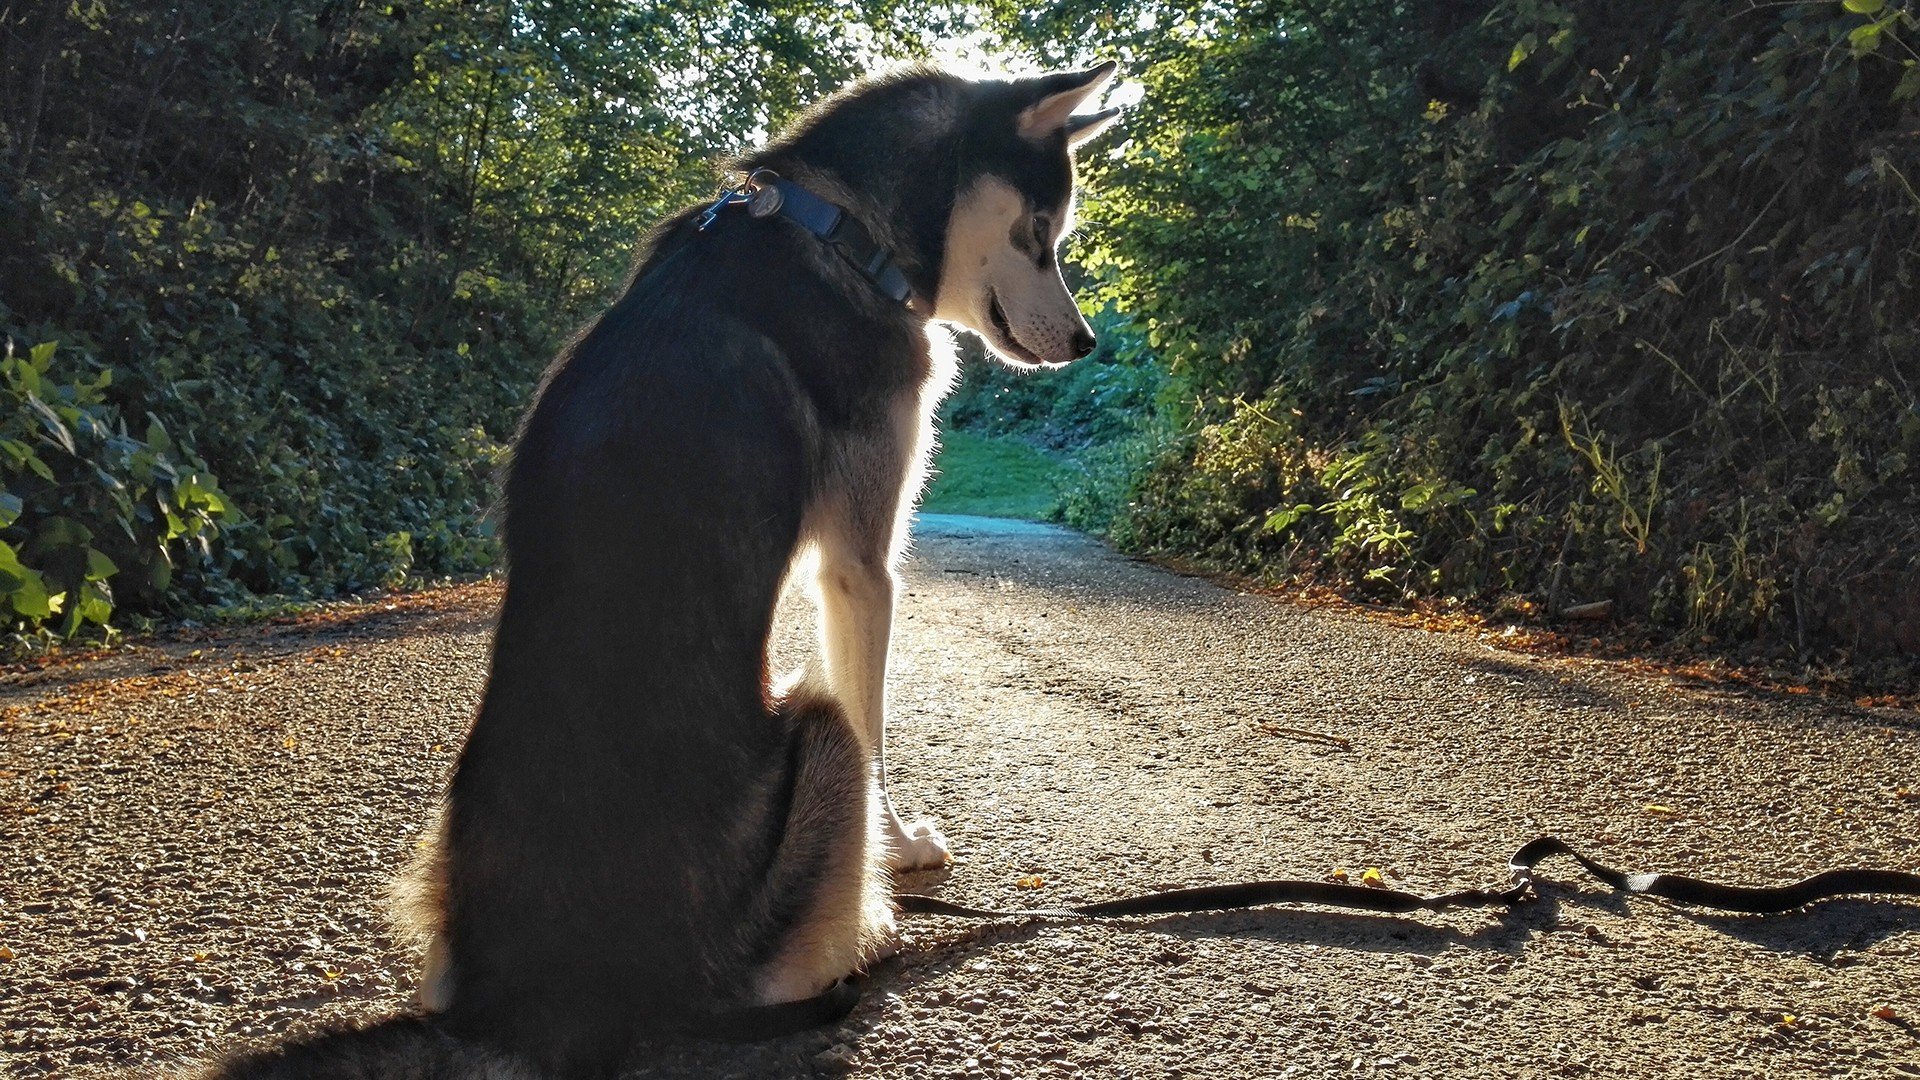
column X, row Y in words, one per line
column 1909, row 87
column 56, row 428
column 1521, row 50
column 60, row 531
column 1865, row 39
column 99, row 566
column 95, row 604
column 10, row 560
column 1283, row 519
column 1863, row 7
column 160, row 574
column 157, row 436
column 31, row 598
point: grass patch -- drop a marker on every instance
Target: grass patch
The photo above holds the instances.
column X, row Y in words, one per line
column 991, row 477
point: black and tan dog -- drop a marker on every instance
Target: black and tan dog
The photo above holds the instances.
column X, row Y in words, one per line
column 641, row 835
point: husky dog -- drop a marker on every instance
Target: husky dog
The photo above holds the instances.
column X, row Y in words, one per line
column 641, row 836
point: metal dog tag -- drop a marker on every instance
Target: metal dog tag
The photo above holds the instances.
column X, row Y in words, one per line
column 765, row 201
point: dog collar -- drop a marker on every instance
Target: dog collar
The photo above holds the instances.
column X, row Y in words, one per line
column 766, row 193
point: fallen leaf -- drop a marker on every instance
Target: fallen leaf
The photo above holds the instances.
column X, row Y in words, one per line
column 5, row 954
column 1885, row 1012
column 1656, row 808
column 1788, row 1020
column 288, row 742
column 1339, row 875
column 1372, row 879
column 1034, row 881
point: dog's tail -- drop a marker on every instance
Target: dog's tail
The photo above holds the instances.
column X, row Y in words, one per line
column 399, row 1048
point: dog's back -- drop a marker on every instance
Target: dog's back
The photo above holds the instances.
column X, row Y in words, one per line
column 619, row 848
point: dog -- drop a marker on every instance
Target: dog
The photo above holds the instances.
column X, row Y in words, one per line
column 642, row 836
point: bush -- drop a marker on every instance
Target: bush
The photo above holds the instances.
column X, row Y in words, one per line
column 1572, row 298
column 322, row 251
column 90, row 515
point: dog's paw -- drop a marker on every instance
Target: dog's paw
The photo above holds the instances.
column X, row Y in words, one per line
column 918, row 846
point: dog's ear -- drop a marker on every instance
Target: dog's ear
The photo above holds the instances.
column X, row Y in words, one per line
column 1056, row 96
column 1087, row 125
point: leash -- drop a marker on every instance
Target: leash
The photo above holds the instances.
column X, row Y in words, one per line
column 1751, row 900
column 766, row 194
column 769, row 1021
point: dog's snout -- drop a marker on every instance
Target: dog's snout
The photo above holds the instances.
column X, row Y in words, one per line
column 1083, row 342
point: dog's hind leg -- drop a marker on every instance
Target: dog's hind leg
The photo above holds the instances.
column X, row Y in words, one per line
column 827, row 868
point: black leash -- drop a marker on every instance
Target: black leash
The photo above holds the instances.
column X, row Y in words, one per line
column 769, row 1021
column 1753, row 900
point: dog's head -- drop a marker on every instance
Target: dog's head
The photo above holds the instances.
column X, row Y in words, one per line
column 999, row 275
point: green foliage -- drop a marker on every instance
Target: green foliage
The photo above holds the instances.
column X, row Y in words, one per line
column 1575, row 298
column 1569, row 297
column 1102, row 418
column 90, row 514
column 1093, row 401
column 992, row 477
column 324, row 249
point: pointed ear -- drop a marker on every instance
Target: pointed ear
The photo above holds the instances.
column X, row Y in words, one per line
column 1056, row 96
column 1087, row 125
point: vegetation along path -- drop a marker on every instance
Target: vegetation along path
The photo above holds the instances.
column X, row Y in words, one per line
column 197, row 837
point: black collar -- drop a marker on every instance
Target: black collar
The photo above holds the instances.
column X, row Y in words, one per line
column 766, row 193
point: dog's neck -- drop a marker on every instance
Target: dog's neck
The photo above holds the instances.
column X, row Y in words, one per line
column 874, row 213
column 904, row 195
column 880, row 217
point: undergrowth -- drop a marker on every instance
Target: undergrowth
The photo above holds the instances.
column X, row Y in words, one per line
column 1569, row 300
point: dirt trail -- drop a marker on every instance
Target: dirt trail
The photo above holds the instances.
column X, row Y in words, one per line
column 194, row 848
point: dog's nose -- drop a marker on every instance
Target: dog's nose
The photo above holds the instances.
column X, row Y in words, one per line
column 1083, row 342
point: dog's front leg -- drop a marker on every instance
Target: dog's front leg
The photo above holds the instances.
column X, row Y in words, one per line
column 856, row 593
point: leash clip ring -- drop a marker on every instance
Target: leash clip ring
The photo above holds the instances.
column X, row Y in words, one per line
column 764, row 197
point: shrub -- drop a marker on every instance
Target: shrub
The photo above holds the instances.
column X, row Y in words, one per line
column 1575, row 298
column 91, row 515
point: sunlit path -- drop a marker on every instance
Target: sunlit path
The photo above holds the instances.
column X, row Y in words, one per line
column 197, row 846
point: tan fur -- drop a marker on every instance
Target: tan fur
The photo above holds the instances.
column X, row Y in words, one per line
column 982, row 263
column 1050, row 113
column 850, row 922
column 417, row 902
column 857, row 533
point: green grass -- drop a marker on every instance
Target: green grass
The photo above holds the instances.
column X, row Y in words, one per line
column 992, row 477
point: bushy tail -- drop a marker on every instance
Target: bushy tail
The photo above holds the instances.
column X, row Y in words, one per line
column 402, row 1048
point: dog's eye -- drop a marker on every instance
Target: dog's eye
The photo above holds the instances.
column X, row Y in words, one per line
column 1042, row 229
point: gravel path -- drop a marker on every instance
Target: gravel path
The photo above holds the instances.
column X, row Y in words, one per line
column 195, row 839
